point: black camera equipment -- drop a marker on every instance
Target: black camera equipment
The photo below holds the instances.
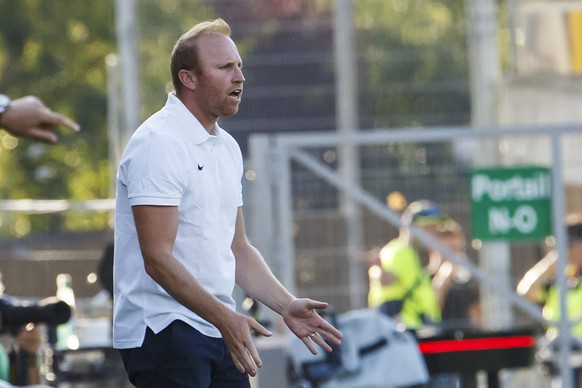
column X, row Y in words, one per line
column 14, row 314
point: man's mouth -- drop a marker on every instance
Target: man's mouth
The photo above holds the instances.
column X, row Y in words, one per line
column 236, row 93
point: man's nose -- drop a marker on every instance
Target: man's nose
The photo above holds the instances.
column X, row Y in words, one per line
column 239, row 77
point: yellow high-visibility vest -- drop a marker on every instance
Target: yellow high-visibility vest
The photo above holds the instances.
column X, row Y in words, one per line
column 551, row 310
column 412, row 285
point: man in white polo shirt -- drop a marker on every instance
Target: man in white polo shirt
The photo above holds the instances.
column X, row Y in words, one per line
column 180, row 244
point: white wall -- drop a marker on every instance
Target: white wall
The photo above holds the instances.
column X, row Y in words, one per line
column 538, row 100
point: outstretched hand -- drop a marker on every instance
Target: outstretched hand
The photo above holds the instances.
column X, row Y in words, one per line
column 303, row 320
column 28, row 117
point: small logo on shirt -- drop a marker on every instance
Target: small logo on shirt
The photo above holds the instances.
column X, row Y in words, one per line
column 200, row 167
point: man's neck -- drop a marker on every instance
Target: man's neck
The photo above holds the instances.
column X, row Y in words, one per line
column 209, row 124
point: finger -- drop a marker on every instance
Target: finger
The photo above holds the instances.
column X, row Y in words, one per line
column 260, row 329
column 327, row 336
column 237, row 364
column 330, row 332
column 67, row 122
column 43, row 135
column 315, row 304
column 250, row 363
column 244, row 362
column 253, row 352
column 58, row 118
column 322, row 344
column 309, row 345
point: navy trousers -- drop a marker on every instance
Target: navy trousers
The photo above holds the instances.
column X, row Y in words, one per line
column 181, row 357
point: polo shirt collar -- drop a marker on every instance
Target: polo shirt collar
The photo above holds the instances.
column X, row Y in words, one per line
column 189, row 123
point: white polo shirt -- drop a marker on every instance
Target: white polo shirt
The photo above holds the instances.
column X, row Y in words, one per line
column 171, row 160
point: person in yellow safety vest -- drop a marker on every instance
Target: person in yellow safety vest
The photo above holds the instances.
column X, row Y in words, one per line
column 538, row 285
column 551, row 310
column 399, row 285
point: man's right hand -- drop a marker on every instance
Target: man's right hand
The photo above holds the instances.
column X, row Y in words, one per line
column 236, row 333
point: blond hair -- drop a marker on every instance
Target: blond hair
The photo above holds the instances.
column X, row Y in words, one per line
column 185, row 53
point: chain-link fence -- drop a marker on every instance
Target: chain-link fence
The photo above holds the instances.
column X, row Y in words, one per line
column 312, row 221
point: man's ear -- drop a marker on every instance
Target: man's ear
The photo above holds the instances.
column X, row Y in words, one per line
column 188, row 79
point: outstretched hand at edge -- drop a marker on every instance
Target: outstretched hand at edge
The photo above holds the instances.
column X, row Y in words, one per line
column 303, row 320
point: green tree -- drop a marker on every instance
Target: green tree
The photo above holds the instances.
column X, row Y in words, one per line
column 413, row 71
column 57, row 50
column 416, row 70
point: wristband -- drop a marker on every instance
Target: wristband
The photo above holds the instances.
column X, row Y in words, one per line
column 4, row 104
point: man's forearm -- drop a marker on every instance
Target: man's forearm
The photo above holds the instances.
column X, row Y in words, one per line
column 173, row 277
column 255, row 277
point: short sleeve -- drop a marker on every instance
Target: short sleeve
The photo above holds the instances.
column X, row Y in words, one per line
column 154, row 171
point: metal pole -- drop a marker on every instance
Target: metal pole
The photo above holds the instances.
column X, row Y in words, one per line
column 483, row 60
column 558, row 212
column 512, row 26
column 261, row 219
column 484, row 75
column 113, row 123
column 349, row 159
column 284, row 244
column 113, row 116
column 128, row 56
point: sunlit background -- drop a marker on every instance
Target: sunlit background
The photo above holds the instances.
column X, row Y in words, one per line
column 311, row 66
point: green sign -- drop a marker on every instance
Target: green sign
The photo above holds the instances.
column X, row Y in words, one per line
column 511, row 203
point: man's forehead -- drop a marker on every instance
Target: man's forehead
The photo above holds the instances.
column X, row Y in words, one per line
column 216, row 44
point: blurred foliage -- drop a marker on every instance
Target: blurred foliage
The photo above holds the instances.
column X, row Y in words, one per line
column 161, row 22
column 412, row 61
column 417, row 71
column 415, row 74
column 57, row 50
